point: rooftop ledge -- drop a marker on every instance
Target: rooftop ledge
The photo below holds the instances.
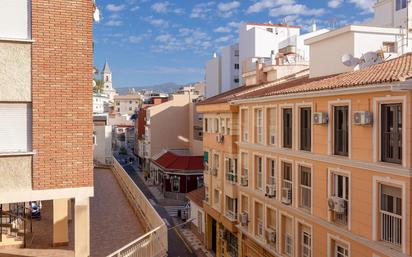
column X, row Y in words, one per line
column 17, row 40
column 355, row 28
column 16, row 153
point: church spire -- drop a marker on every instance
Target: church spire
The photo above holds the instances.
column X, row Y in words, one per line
column 106, row 68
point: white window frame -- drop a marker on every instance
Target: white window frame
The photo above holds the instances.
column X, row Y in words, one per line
column 331, row 172
column 231, row 214
column 337, row 241
column 331, row 133
column 244, row 124
column 244, row 157
column 377, row 103
column 16, row 128
column 280, row 119
column 258, row 122
column 271, row 134
column 375, row 206
column 258, row 223
column 300, row 186
column 257, row 173
column 299, row 106
column 281, row 179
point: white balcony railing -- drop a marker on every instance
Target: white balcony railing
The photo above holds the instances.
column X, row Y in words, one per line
column 154, row 243
column 391, row 228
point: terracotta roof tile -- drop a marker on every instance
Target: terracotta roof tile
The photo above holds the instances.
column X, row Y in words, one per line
column 394, row 70
column 197, row 196
column 181, row 163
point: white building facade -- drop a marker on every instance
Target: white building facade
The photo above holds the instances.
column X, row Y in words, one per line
column 100, row 103
column 213, row 76
column 230, row 67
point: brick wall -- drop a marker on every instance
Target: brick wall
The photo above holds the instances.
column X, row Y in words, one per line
column 62, row 93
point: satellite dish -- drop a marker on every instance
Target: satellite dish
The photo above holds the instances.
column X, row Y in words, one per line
column 349, row 60
column 96, row 15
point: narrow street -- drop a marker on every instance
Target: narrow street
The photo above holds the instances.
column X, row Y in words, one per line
column 177, row 246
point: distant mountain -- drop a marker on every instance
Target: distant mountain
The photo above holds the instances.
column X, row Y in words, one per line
column 169, row 87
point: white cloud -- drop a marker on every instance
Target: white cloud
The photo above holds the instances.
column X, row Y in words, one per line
column 228, row 28
column 156, row 22
column 223, row 39
column 365, row 5
column 135, row 8
column 226, row 7
column 267, row 4
column 335, row 3
column 115, row 8
column 202, row 10
column 164, row 38
column 166, row 7
column 136, row 39
column 114, row 23
column 295, row 9
column 222, row 29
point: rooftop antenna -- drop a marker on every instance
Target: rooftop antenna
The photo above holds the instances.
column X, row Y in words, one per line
column 314, row 25
column 333, row 21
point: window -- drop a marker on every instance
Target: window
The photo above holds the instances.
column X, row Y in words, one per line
column 271, row 218
column 305, row 129
column 306, row 243
column 391, row 146
column 287, row 128
column 340, row 120
column 231, row 245
column 231, row 208
column 269, row 30
column 15, row 127
column 117, row 103
column 388, row 47
column 271, row 172
column 236, row 66
column 340, row 250
column 287, row 182
column 222, row 125
column 259, row 220
column 245, row 204
column 175, row 183
column 287, row 228
column 231, row 170
column 245, row 125
column 130, row 108
column 216, row 125
column 130, row 102
column 199, row 222
column 305, row 190
column 15, row 19
column 236, row 79
column 271, row 118
column 258, row 169
column 390, row 214
column 228, row 126
column 400, row 4
column 205, row 127
column 340, row 189
column 288, row 244
column 236, row 53
column 216, row 163
column 259, row 126
column 245, row 169
column 118, row 109
column 216, row 196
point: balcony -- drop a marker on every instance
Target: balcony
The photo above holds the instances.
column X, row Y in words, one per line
column 391, row 228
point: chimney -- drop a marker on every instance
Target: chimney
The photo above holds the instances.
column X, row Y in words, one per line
column 314, row 26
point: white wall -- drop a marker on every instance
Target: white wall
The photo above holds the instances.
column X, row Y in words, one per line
column 213, row 77
column 194, row 209
column 304, row 50
column 15, row 19
column 103, row 145
column 228, row 67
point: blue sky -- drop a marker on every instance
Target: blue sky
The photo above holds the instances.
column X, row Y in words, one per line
column 153, row 41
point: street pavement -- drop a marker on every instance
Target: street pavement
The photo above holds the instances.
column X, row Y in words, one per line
column 177, row 246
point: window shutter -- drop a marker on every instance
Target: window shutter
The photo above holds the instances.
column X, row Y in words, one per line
column 15, row 128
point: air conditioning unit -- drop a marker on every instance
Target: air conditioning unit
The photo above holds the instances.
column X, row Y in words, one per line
column 286, row 195
column 362, row 118
column 270, row 191
column 271, row 236
column 320, row 118
column 243, row 218
column 337, row 204
column 244, row 181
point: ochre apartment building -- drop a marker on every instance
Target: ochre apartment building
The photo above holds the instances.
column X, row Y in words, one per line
column 311, row 166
